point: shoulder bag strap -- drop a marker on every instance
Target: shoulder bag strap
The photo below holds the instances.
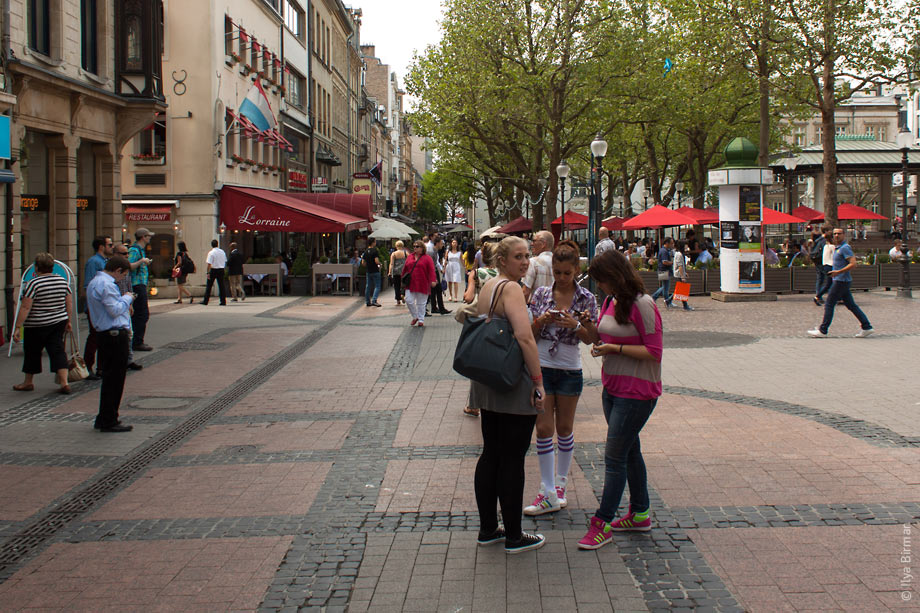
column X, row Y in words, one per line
column 414, row 264
column 495, row 295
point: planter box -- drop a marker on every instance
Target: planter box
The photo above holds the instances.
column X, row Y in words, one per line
column 778, row 280
column 299, row 285
column 890, row 275
column 865, row 277
column 649, row 279
column 697, row 279
column 803, row 279
column 160, row 161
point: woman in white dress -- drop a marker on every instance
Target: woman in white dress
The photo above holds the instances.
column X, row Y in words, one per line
column 454, row 272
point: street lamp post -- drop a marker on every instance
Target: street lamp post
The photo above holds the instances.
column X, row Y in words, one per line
column 562, row 170
column 598, row 151
column 789, row 163
column 905, row 140
column 680, row 191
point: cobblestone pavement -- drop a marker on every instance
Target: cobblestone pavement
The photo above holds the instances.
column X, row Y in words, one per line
column 311, row 454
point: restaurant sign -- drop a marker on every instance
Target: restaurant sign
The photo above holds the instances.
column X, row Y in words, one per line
column 255, row 220
column 155, row 215
column 320, row 184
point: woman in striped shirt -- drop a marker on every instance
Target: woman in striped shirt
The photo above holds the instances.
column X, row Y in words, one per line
column 631, row 345
column 44, row 312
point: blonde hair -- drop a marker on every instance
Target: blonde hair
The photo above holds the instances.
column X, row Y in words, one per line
column 488, row 254
column 505, row 247
column 399, row 244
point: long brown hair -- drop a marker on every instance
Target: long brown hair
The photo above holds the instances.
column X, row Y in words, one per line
column 566, row 252
column 612, row 268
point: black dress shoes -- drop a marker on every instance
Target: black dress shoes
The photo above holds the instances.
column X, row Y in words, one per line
column 143, row 347
column 135, row 366
column 444, row 311
column 117, row 428
column 93, row 377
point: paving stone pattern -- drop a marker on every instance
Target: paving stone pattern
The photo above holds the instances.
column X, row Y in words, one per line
column 331, row 470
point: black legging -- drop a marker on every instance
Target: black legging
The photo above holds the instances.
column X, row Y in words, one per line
column 397, row 287
column 500, row 470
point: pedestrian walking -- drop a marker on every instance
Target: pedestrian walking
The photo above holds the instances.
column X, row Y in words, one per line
column 44, row 314
column 564, row 315
column 397, row 262
column 841, row 280
column 102, row 245
column 454, row 271
column 418, row 278
column 110, row 309
column 235, row 261
column 631, row 345
column 679, row 269
column 372, row 273
column 477, row 278
column 540, row 267
column 140, row 277
column 665, row 272
column 217, row 263
column 507, row 418
column 435, row 249
column 184, row 264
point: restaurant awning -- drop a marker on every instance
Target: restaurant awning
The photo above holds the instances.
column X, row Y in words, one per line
column 521, row 224
column 351, row 204
column 245, row 208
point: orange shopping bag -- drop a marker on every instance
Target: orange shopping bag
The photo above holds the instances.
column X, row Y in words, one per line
column 681, row 291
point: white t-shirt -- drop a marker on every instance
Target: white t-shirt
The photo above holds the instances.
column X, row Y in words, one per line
column 896, row 253
column 540, row 272
column 217, row 258
column 568, row 357
column 827, row 256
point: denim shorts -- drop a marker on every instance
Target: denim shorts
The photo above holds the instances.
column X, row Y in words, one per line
column 558, row 382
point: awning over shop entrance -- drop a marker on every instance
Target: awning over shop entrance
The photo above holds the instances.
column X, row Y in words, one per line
column 350, row 204
column 243, row 208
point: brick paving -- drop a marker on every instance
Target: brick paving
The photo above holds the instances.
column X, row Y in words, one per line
column 311, row 454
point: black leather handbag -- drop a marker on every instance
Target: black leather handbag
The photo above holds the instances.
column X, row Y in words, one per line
column 487, row 351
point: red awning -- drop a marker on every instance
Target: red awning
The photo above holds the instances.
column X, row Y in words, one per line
column 659, row 217
column 851, row 211
column 702, row 216
column 613, row 223
column 521, row 224
column 773, row 218
column 573, row 221
column 356, row 205
column 807, row 213
column 244, row 208
column 148, row 213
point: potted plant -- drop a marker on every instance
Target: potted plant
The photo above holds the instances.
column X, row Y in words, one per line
column 300, row 273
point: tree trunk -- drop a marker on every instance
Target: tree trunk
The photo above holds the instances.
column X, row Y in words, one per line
column 828, row 107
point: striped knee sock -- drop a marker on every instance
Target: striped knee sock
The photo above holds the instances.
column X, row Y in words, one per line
column 564, row 460
column 547, row 460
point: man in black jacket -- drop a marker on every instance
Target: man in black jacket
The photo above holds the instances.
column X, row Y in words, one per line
column 235, row 272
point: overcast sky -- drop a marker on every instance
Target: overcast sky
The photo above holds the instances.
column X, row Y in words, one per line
column 398, row 29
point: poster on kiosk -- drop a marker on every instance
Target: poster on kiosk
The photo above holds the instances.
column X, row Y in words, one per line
column 741, row 238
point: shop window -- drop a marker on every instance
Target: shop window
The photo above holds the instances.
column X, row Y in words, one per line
column 151, row 142
column 89, row 36
column 39, row 16
column 294, row 18
column 295, row 88
column 255, row 50
column 228, row 35
column 230, row 137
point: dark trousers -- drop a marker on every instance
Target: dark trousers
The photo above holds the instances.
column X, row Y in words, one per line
column 822, row 280
column 436, row 297
column 500, row 471
column 397, row 287
column 840, row 292
column 51, row 339
column 141, row 315
column 113, row 360
column 216, row 274
column 89, row 349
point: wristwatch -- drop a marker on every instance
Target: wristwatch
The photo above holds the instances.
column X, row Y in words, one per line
column 578, row 327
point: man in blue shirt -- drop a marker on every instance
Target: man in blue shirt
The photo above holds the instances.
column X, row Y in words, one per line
column 140, row 275
column 844, row 261
column 103, row 246
column 111, row 312
column 664, row 272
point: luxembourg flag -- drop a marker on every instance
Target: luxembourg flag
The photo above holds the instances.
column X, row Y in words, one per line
column 256, row 108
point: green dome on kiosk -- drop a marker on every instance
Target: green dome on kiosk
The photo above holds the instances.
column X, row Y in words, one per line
column 741, row 153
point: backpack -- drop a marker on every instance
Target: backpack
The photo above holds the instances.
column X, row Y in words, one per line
column 817, row 251
column 188, row 265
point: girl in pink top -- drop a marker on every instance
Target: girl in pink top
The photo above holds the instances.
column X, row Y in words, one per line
column 631, row 345
column 420, row 267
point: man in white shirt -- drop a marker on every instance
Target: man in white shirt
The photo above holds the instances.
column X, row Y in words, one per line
column 895, row 251
column 540, row 272
column 604, row 243
column 217, row 261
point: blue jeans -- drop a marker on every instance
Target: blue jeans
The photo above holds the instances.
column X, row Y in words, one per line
column 822, row 281
column 840, row 292
column 664, row 289
column 623, row 455
column 373, row 287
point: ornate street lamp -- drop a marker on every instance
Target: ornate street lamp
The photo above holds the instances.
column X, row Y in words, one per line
column 680, row 190
column 562, row 170
column 789, row 163
column 598, row 151
column 905, row 140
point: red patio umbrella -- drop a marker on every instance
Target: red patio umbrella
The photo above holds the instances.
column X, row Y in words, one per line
column 573, row 221
column 658, row 217
column 773, row 218
column 808, row 214
column 613, row 223
column 851, row 211
column 702, row 216
column 521, row 224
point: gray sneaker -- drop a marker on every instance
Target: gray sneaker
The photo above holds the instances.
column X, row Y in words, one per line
column 816, row 333
column 864, row 333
